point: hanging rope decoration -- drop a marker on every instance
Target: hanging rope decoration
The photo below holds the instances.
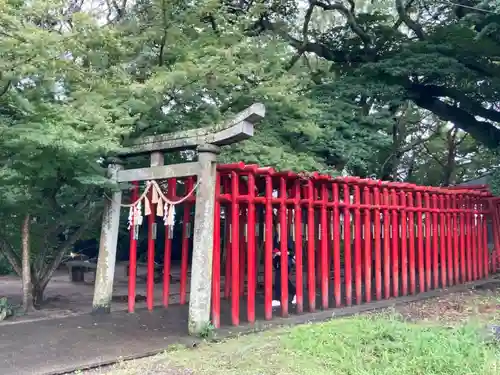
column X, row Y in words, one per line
column 164, row 206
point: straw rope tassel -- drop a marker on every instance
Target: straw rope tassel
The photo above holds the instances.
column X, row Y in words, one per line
column 159, row 207
column 154, row 194
column 165, row 207
column 147, row 207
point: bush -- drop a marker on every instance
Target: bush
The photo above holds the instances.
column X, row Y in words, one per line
column 6, row 309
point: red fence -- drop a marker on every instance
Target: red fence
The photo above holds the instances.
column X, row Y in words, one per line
column 354, row 241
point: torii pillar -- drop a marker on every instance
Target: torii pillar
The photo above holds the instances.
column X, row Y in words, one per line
column 207, row 142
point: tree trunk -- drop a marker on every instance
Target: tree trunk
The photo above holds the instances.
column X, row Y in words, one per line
column 38, row 290
column 26, row 265
column 450, row 166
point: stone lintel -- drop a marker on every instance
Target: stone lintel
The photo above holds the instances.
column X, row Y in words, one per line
column 239, row 128
column 212, row 149
column 159, row 172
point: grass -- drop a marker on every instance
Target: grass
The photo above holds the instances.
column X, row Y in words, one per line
column 392, row 342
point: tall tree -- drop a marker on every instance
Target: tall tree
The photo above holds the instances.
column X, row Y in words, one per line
column 443, row 56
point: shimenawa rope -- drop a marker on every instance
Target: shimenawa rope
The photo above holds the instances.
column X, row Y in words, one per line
column 164, row 206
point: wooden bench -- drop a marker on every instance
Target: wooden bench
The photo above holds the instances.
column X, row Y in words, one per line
column 77, row 269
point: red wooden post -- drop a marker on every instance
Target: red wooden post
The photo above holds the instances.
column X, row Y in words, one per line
column 228, row 229
column 317, row 236
column 283, row 248
column 484, row 244
column 299, row 282
column 387, row 246
column 462, row 240
column 395, row 240
column 150, row 283
column 378, row 237
column 485, row 240
column 311, row 284
column 252, row 272
column 167, row 258
column 411, row 224
column 480, row 243
column 455, row 233
column 428, row 236
column 420, row 247
column 435, row 242
column 496, row 236
column 357, row 244
column 186, row 222
column 337, row 277
column 474, row 233
column 469, row 237
column 216, row 256
column 404, row 241
column 132, row 264
column 268, row 253
column 324, row 247
column 442, row 237
column 449, row 240
column 242, row 222
column 347, row 246
column 235, row 271
column 368, row 244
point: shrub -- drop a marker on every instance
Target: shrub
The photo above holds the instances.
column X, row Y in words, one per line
column 6, row 309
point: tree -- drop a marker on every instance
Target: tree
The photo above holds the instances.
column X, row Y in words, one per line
column 54, row 125
column 443, row 56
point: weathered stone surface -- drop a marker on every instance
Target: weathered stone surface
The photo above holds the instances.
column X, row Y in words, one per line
column 235, row 130
column 201, row 268
column 159, row 172
column 103, row 290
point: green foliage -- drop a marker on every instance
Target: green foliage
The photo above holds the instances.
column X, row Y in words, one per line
column 360, row 345
column 495, row 182
column 5, row 267
column 389, row 346
column 207, row 332
column 6, row 309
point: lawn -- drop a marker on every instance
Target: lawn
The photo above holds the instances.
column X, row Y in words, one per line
column 436, row 337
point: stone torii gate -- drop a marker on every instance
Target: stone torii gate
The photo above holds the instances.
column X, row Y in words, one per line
column 206, row 141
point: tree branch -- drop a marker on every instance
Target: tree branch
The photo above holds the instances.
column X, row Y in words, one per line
column 483, row 131
column 433, row 156
column 351, row 19
column 6, row 88
column 414, row 26
column 50, row 268
column 400, row 20
column 466, row 103
column 319, row 49
column 164, row 36
column 13, row 258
